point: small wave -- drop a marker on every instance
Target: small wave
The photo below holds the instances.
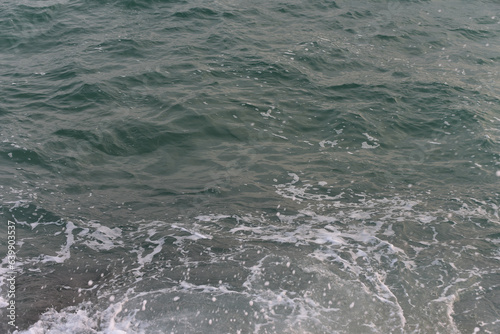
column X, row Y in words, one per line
column 197, row 13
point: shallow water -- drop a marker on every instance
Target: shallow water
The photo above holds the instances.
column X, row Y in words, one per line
column 263, row 167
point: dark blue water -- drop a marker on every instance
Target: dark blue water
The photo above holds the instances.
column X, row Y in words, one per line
column 250, row 167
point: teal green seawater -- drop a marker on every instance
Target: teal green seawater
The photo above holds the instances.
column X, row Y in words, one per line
column 250, row 166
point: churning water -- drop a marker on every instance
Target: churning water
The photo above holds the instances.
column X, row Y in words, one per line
column 250, row 166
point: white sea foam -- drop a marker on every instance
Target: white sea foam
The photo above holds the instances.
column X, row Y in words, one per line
column 331, row 261
column 4, row 270
column 365, row 145
column 325, row 142
column 301, row 193
column 84, row 319
column 142, row 260
column 102, row 237
column 65, row 252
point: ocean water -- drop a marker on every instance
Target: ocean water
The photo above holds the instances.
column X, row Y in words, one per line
column 250, row 166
